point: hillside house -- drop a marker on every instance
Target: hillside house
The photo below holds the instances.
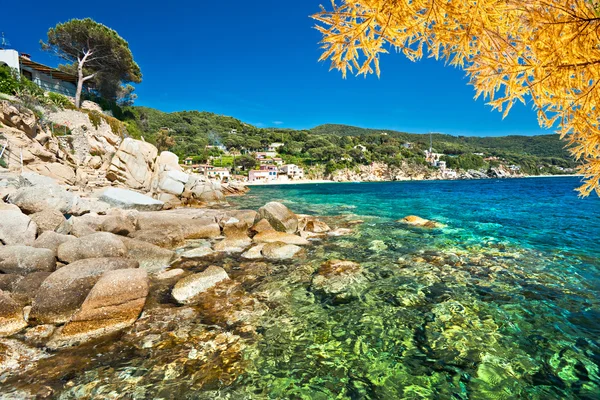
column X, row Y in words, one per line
column 292, row 171
column 266, row 173
column 47, row 78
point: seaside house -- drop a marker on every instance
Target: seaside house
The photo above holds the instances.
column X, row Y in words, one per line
column 275, row 146
column 278, row 161
column 47, row 78
column 292, row 171
column 266, row 173
column 188, row 161
column 432, row 158
column 360, row 147
column 212, row 172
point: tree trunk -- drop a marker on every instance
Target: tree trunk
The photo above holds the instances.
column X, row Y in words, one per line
column 79, row 85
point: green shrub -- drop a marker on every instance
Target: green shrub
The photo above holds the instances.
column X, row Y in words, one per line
column 59, row 129
column 3, row 163
column 60, row 101
column 8, row 80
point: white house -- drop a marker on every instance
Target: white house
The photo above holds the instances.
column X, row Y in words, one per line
column 267, row 173
column 292, row 171
column 47, row 78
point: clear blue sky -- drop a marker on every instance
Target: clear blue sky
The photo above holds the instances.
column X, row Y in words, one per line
column 257, row 61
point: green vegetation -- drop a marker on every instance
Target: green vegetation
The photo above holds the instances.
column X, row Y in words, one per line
column 340, row 146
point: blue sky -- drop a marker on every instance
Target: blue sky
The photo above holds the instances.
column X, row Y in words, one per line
column 257, row 61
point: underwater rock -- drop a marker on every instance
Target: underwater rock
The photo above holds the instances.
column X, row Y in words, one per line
column 114, row 303
column 311, row 224
column 340, row 232
column 188, row 288
column 254, row 253
column 414, row 220
column 339, row 279
column 18, row 357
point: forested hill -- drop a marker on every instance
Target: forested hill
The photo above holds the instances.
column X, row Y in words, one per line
column 340, row 146
column 540, row 145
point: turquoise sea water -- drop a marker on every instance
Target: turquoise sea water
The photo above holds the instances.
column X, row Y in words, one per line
column 502, row 303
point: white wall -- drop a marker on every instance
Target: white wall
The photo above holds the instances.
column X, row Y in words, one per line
column 10, row 58
column 50, row 84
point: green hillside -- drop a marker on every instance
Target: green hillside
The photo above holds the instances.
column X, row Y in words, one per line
column 339, row 146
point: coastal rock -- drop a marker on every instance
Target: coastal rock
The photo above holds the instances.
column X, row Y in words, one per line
column 191, row 228
column 24, row 291
column 339, row 280
column 151, row 258
column 16, row 228
column 254, row 253
column 280, row 251
column 50, row 220
column 169, row 274
column 96, row 245
column 63, row 292
column 280, row 217
column 199, row 191
column 16, row 356
column 11, row 316
column 85, row 224
column 59, row 172
column 166, row 239
column 340, row 232
column 114, row 303
column 198, row 253
column 233, row 245
column 39, row 335
column 274, row 236
column 34, row 199
column 414, row 220
column 21, row 118
column 85, row 206
column 133, row 164
column 7, row 281
column 117, row 224
column 245, row 216
column 191, row 286
column 311, row 224
column 130, row 200
column 23, row 260
column 261, row 226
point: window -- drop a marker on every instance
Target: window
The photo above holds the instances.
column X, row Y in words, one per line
column 27, row 74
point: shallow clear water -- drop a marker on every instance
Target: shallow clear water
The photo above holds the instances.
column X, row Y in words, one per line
column 502, row 303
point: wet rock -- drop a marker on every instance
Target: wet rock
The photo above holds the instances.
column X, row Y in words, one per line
column 23, row 260
column 414, row 220
column 130, row 200
column 191, row 286
column 11, row 316
column 280, row 251
column 39, row 335
column 339, row 279
column 254, row 253
column 235, row 245
column 114, row 303
column 246, row 216
column 63, row 292
column 52, row 240
column 26, row 289
column 311, row 224
column 96, row 245
column 280, row 217
column 340, row 232
column 198, row 253
column 151, row 258
column 119, row 225
column 50, row 220
column 16, row 228
column 273, row 236
column 169, row 274
column 18, row 357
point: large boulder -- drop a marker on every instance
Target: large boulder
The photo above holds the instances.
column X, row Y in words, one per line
column 52, row 240
column 25, row 290
column 188, row 288
column 11, row 316
column 21, row 118
column 279, row 216
column 199, row 191
column 96, row 245
column 169, row 177
column 114, row 303
column 152, row 258
column 16, row 228
column 60, row 172
column 117, row 224
column 50, row 220
column 130, row 200
column 191, row 228
column 274, row 236
column 33, row 199
column 167, row 239
column 63, row 292
column 133, row 164
column 280, row 251
column 23, row 260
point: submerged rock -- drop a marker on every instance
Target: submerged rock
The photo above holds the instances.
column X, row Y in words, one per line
column 339, row 279
column 280, row 251
column 114, row 303
column 414, row 220
column 280, row 217
column 191, row 286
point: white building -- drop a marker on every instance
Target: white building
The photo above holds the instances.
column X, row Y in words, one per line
column 292, row 171
column 267, row 173
column 47, row 78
